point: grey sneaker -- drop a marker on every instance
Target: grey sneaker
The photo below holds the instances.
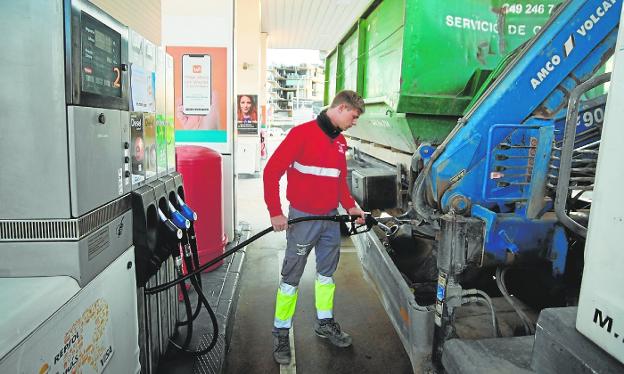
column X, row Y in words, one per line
column 328, row 328
column 281, row 346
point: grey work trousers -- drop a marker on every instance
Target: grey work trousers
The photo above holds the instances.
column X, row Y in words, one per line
column 323, row 236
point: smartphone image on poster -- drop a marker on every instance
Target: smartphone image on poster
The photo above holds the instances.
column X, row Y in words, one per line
column 196, row 84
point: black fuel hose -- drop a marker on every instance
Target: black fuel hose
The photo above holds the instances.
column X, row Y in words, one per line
column 189, row 324
column 370, row 221
column 195, row 271
column 202, row 300
column 191, row 264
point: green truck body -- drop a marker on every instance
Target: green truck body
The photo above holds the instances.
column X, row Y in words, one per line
column 419, row 63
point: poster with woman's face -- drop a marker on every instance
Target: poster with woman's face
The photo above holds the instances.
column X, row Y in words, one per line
column 247, row 114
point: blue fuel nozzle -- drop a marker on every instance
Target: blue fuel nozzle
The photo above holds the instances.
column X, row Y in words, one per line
column 186, row 210
column 178, row 218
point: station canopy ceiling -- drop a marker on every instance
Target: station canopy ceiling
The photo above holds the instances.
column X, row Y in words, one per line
column 309, row 24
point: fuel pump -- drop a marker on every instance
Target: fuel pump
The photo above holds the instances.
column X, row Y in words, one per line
column 66, row 218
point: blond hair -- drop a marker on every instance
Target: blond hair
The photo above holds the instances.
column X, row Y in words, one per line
column 349, row 98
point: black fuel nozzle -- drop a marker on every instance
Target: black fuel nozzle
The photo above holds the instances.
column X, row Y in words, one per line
column 369, row 222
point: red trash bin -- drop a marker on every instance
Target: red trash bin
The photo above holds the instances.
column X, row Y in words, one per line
column 202, row 174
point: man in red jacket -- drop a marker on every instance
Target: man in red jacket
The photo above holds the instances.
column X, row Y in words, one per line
column 313, row 157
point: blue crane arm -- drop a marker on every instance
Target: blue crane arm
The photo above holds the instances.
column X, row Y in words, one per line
column 575, row 43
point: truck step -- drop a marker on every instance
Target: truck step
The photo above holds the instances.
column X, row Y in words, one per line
column 560, row 348
column 556, row 347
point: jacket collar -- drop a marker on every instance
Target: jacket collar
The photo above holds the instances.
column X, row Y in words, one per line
column 325, row 124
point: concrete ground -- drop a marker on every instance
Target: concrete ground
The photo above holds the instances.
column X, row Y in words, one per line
column 376, row 347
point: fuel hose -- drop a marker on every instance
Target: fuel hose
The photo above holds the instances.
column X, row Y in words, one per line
column 195, row 270
column 369, row 223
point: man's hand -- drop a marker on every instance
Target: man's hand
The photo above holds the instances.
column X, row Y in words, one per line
column 355, row 211
column 279, row 223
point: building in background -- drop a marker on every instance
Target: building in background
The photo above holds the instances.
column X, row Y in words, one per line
column 294, row 94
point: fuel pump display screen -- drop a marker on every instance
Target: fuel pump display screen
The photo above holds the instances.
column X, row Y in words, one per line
column 101, row 58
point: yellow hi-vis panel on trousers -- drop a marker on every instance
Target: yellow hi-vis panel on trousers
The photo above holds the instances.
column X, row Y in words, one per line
column 285, row 303
column 324, row 295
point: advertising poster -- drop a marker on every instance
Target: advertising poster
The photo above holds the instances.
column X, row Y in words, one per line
column 161, row 146
column 141, row 90
column 200, row 76
column 138, row 147
column 247, row 114
column 196, row 85
column 149, row 142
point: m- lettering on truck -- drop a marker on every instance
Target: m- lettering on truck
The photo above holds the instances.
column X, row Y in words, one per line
column 490, row 135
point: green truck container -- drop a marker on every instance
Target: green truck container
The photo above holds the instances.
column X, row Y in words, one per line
column 418, row 63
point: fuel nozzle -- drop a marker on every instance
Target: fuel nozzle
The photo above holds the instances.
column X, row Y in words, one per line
column 369, row 222
column 177, row 218
column 169, row 237
column 388, row 230
column 186, row 211
column 169, row 225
